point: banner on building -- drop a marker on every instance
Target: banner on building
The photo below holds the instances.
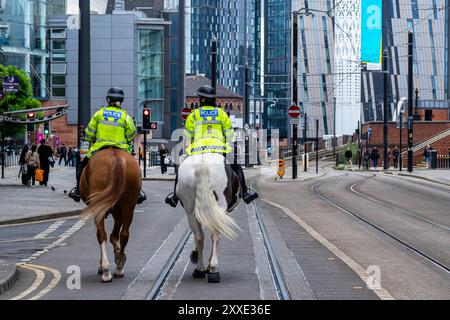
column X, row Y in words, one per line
column 372, row 34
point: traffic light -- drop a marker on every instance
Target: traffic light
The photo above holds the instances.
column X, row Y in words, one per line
column 146, row 113
column 46, row 128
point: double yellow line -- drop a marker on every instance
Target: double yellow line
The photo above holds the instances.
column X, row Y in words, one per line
column 40, row 276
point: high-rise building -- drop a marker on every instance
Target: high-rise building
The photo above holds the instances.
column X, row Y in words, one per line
column 23, row 37
column 232, row 23
column 428, row 21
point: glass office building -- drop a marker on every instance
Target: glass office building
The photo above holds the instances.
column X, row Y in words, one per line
column 225, row 20
column 23, row 37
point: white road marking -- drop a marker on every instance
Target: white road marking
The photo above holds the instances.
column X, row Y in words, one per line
column 40, row 275
column 52, row 228
column 77, row 226
column 382, row 293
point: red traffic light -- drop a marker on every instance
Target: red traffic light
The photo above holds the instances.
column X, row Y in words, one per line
column 146, row 112
column 30, row 115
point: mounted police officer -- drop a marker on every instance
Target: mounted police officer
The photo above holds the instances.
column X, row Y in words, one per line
column 110, row 126
column 210, row 131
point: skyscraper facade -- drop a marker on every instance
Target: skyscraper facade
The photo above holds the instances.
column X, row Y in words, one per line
column 232, row 23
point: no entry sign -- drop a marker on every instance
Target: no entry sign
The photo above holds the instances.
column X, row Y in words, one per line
column 185, row 112
column 294, row 111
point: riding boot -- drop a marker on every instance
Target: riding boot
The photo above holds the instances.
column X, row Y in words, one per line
column 75, row 192
column 172, row 198
column 247, row 194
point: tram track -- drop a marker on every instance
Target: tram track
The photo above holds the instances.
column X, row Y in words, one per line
column 274, row 266
column 352, row 188
column 352, row 213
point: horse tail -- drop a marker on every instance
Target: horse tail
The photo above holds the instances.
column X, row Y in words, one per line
column 101, row 202
column 207, row 210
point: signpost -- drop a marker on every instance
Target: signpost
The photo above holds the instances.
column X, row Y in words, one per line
column 185, row 112
column 294, row 114
column 11, row 84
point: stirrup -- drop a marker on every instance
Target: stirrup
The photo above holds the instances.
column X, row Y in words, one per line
column 172, row 200
column 75, row 194
column 249, row 196
column 141, row 197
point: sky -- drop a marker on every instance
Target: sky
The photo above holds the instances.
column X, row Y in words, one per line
column 96, row 5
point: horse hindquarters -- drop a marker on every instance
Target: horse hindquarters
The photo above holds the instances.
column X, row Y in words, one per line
column 207, row 210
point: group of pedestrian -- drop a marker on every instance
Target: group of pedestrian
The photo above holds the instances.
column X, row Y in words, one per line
column 69, row 155
column 372, row 156
column 35, row 158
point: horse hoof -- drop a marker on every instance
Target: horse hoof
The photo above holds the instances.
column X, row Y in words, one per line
column 106, row 279
column 194, row 257
column 118, row 276
column 197, row 274
column 213, row 277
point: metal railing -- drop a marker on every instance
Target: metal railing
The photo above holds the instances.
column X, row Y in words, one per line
column 443, row 161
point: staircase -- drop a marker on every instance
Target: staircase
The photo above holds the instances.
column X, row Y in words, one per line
column 431, row 140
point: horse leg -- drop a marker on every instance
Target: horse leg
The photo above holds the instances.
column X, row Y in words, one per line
column 121, row 257
column 197, row 253
column 213, row 273
column 104, row 263
column 115, row 238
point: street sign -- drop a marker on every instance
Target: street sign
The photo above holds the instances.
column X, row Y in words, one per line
column 153, row 125
column 281, row 168
column 294, row 111
column 294, row 121
column 11, row 84
column 185, row 112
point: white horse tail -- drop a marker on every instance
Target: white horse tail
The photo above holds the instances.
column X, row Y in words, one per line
column 207, row 210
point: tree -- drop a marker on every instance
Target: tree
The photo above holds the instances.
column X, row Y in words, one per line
column 21, row 100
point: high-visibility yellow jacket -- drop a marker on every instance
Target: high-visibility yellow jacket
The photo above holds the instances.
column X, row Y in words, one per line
column 110, row 126
column 209, row 130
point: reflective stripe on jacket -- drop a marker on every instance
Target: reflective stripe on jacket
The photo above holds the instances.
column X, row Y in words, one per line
column 210, row 131
column 110, row 126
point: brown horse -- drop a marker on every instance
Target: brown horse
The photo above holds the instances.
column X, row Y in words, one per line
column 110, row 184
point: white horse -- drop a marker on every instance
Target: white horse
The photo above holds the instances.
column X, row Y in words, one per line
column 208, row 190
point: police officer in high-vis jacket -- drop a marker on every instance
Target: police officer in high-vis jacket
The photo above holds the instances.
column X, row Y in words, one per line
column 110, row 126
column 210, row 131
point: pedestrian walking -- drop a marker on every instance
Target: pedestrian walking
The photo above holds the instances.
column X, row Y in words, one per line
column 348, row 155
column 396, row 156
column 33, row 162
column 374, row 156
column 163, row 153
column 367, row 159
column 63, row 154
column 46, row 159
column 75, row 156
column 69, row 156
column 23, row 166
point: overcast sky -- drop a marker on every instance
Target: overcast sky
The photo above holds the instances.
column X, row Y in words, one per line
column 96, row 5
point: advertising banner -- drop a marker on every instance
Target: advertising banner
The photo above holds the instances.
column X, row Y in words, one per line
column 371, row 33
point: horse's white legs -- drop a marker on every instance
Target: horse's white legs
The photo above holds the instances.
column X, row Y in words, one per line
column 104, row 263
column 199, row 241
column 213, row 260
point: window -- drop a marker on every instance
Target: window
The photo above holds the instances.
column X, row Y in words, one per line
column 58, row 92
column 59, row 68
column 58, row 44
column 58, row 57
column 58, row 33
column 58, row 80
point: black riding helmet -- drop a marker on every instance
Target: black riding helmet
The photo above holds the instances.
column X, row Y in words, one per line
column 115, row 95
column 207, row 95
